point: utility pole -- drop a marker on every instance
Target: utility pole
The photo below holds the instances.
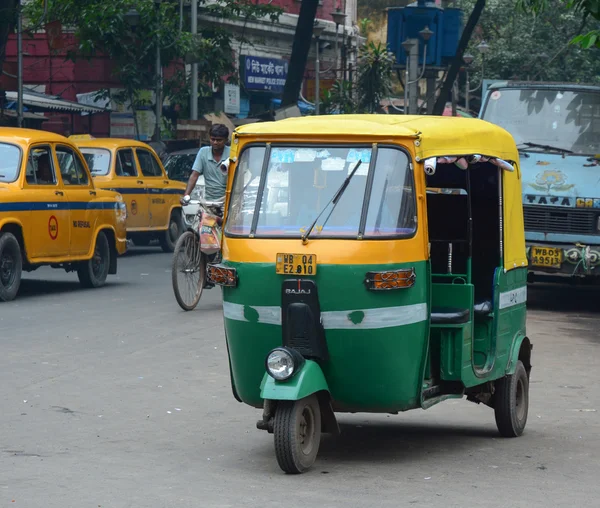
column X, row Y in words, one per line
column 19, row 65
column 194, row 90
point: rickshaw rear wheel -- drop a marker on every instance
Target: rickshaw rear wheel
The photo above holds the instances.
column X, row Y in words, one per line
column 512, row 402
column 297, row 432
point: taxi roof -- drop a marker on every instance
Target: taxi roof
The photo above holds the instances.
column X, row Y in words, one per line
column 112, row 143
column 437, row 135
column 27, row 136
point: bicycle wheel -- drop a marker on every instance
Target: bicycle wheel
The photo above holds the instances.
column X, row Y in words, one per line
column 188, row 271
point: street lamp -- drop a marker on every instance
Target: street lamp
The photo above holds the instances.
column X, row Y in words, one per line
column 407, row 45
column 317, row 31
column 483, row 47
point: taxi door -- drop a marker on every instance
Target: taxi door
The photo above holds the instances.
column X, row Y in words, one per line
column 80, row 195
column 49, row 231
column 156, row 181
column 130, row 182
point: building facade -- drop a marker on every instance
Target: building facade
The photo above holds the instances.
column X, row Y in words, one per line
column 262, row 64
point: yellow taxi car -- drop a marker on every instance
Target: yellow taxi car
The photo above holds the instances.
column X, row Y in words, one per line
column 52, row 214
column 133, row 169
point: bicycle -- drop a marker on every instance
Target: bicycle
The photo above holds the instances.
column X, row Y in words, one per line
column 196, row 247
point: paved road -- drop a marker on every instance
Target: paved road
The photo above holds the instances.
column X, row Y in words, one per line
column 116, row 398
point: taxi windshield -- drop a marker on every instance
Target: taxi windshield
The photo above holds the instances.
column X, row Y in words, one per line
column 98, row 160
column 294, row 184
column 10, row 162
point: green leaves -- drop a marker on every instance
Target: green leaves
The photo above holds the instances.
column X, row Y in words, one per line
column 108, row 27
column 375, row 72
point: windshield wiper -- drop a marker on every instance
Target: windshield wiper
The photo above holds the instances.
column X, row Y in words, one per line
column 547, row 147
column 335, row 199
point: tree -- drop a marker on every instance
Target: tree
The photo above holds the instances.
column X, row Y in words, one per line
column 8, row 19
column 105, row 27
column 375, row 74
column 584, row 8
column 524, row 46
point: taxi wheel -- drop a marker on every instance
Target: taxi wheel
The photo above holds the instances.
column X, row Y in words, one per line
column 11, row 267
column 93, row 273
column 169, row 238
column 512, row 402
column 297, row 433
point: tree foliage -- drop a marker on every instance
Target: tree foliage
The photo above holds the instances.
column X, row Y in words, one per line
column 585, row 8
column 8, row 17
column 104, row 27
column 531, row 46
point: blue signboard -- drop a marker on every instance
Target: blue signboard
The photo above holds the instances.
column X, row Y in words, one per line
column 267, row 74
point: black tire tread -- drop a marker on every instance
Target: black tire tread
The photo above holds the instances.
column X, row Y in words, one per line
column 8, row 239
column 284, row 430
column 178, row 246
column 84, row 271
column 505, row 403
column 166, row 244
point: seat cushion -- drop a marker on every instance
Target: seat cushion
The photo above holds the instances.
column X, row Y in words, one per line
column 449, row 315
column 483, row 307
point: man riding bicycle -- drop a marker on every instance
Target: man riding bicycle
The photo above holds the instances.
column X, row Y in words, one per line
column 209, row 162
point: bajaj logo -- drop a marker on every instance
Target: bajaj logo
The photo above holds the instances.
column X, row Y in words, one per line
column 297, row 291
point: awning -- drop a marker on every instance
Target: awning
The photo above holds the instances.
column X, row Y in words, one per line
column 42, row 103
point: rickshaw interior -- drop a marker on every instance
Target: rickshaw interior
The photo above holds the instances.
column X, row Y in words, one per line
column 465, row 255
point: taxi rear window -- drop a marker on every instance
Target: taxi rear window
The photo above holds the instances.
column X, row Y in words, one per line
column 98, row 160
column 10, row 162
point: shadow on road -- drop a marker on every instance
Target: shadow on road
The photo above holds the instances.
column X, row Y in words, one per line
column 563, row 298
column 381, row 442
column 36, row 287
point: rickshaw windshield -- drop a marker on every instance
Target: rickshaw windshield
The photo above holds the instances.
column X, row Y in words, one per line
column 296, row 183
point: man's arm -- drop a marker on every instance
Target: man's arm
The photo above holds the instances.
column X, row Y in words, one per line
column 197, row 170
column 192, row 182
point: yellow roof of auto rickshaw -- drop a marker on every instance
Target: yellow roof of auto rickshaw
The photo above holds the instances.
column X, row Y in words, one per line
column 437, row 135
column 22, row 136
column 110, row 143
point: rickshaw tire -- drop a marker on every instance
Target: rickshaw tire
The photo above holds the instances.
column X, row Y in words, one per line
column 511, row 402
column 9, row 241
column 286, row 428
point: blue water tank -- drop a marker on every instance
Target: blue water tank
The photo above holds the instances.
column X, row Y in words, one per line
column 406, row 23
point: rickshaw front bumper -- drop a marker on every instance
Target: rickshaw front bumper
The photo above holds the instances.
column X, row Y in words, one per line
column 307, row 380
column 558, row 259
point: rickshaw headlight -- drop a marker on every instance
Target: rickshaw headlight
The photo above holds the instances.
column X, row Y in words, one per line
column 283, row 363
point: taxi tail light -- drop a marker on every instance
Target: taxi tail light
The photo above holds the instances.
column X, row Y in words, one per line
column 392, row 279
column 222, row 275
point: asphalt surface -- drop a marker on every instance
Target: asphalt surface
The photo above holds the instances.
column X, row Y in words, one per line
column 116, row 398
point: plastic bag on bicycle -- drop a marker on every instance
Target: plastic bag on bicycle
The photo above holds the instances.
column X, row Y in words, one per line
column 210, row 234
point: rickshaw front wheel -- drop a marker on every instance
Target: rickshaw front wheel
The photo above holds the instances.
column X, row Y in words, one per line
column 512, row 402
column 297, row 432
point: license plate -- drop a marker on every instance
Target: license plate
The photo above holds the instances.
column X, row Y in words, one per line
column 546, row 256
column 296, row 264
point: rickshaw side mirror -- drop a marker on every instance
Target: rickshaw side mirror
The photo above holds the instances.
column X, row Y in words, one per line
column 502, row 164
column 430, row 165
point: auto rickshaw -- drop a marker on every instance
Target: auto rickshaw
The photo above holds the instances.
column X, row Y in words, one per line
column 364, row 291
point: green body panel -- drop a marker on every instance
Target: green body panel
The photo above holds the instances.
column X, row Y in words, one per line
column 369, row 369
column 309, row 380
column 495, row 335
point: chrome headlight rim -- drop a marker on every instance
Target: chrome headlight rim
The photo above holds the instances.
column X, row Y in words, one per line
column 295, row 359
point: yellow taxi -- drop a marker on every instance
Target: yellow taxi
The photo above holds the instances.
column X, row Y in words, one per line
column 133, row 169
column 52, row 214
